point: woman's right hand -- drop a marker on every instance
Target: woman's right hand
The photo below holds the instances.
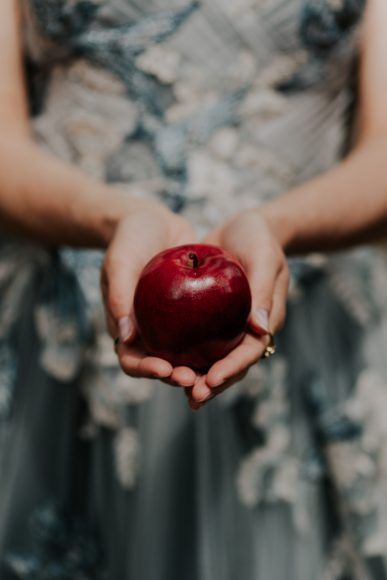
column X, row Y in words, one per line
column 143, row 231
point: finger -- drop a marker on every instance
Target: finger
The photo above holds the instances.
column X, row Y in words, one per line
column 214, row 392
column 118, row 324
column 122, row 267
column 262, row 272
column 111, row 326
column 278, row 311
column 118, row 299
column 170, row 383
column 135, row 363
column 184, row 380
column 183, row 376
column 241, row 358
column 201, row 391
column 188, row 393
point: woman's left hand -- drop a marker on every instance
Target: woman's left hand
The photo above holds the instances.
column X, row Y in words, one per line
column 249, row 237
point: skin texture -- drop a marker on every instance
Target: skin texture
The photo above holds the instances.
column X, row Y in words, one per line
column 191, row 305
column 54, row 203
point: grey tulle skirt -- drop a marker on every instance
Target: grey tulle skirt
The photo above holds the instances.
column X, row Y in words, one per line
column 281, row 478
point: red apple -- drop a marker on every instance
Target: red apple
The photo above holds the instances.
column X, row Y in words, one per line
column 191, row 305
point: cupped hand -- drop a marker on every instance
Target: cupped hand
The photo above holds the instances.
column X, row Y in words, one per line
column 143, row 231
column 250, row 239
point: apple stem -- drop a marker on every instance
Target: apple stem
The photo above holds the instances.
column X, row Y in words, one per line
column 194, row 260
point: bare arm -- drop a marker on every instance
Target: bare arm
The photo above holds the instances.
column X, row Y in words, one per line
column 347, row 205
column 40, row 196
column 54, row 203
column 343, row 207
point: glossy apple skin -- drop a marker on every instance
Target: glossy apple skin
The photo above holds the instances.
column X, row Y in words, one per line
column 191, row 315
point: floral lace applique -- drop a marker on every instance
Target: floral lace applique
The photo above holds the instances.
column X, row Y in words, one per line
column 61, row 323
column 271, row 471
column 325, row 24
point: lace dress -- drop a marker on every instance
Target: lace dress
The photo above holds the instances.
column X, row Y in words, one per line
column 213, row 107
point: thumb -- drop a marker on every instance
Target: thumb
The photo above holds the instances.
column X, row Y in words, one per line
column 262, row 277
column 122, row 266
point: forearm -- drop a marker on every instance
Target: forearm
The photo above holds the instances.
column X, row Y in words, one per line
column 41, row 197
column 341, row 208
column 53, row 203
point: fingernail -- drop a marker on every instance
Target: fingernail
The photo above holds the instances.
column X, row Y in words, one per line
column 205, row 398
column 125, row 328
column 202, row 394
column 261, row 317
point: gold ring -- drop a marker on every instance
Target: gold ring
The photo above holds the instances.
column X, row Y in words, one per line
column 271, row 347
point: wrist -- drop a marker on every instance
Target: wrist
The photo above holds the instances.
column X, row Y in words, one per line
column 108, row 208
column 115, row 205
column 279, row 223
column 99, row 211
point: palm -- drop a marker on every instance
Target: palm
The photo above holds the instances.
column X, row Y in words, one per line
column 139, row 237
column 249, row 239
